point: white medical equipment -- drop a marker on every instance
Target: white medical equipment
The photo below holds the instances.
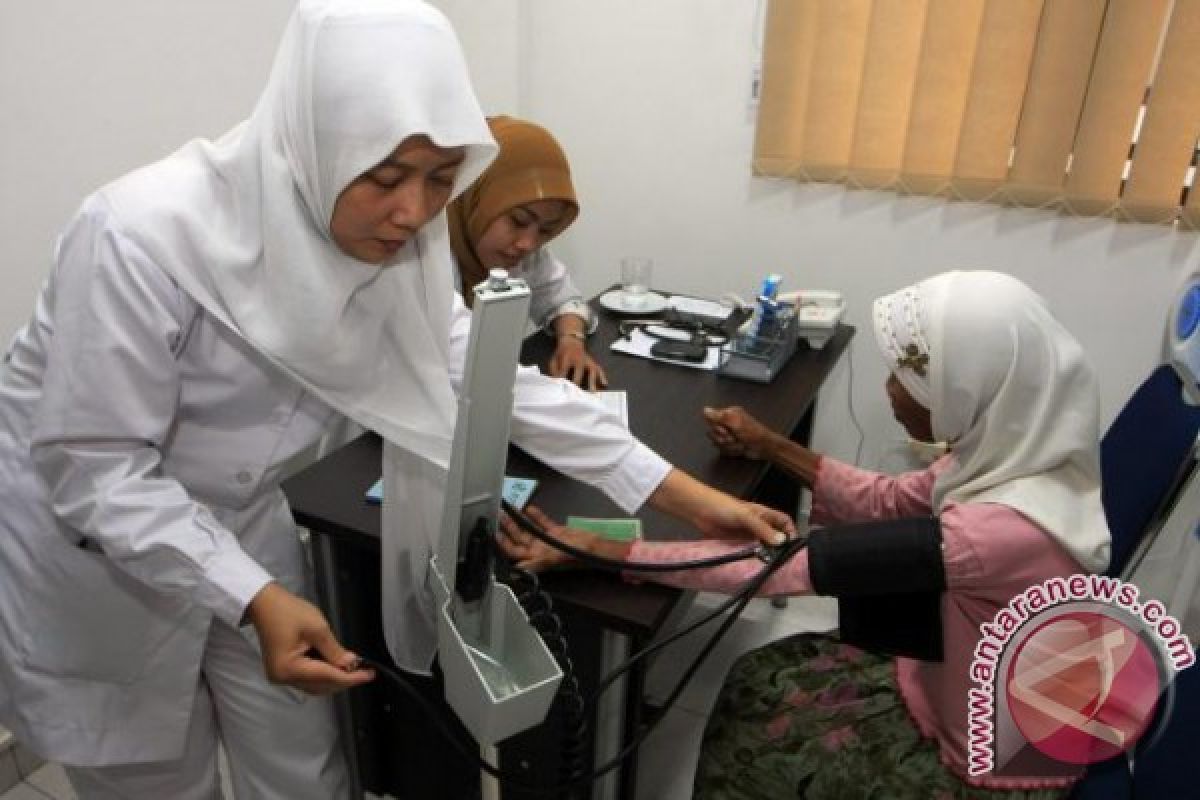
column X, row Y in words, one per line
column 818, row 312
column 1183, row 355
column 1183, row 338
column 1181, row 528
column 500, row 677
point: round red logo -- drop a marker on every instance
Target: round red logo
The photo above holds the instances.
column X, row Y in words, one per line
column 1083, row 687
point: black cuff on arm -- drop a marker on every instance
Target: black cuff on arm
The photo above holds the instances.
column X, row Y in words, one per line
column 888, row 578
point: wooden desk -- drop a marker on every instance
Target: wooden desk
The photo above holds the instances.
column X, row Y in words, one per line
column 664, row 412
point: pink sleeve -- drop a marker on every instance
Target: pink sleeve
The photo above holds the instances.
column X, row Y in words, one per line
column 848, row 494
column 990, row 547
column 792, row 577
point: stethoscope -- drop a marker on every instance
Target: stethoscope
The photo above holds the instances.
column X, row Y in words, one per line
column 666, row 330
column 678, row 326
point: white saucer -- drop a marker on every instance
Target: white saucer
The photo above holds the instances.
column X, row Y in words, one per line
column 615, row 300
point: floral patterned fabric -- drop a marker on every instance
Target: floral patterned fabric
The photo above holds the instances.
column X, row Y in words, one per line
column 809, row 717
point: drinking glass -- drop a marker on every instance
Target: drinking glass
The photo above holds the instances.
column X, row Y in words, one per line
column 636, row 276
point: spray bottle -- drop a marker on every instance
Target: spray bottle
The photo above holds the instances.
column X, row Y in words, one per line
column 764, row 309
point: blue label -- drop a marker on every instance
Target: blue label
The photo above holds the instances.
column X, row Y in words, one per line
column 517, row 491
column 1189, row 313
column 770, row 286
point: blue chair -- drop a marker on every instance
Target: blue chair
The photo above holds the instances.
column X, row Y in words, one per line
column 1165, row 762
column 1144, row 457
column 1164, row 759
column 1108, row 780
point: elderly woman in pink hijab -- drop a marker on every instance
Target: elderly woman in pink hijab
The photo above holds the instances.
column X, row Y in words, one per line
column 919, row 560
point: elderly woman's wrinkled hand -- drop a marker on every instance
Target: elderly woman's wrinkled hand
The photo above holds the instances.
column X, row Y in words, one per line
column 736, row 433
column 532, row 553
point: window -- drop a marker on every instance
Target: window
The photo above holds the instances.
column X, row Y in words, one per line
column 1092, row 106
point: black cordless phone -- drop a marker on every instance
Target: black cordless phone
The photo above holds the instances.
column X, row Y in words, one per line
column 694, row 349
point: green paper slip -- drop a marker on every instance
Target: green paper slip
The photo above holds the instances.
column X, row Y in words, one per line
column 618, row 530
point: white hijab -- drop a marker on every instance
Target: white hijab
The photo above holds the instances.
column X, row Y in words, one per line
column 242, row 224
column 1010, row 391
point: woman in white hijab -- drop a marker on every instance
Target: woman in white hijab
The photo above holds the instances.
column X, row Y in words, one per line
column 208, row 318
column 976, row 360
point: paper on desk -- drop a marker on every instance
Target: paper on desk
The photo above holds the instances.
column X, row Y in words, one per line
column 700, row 306
column 639, row 344
column 616, row 401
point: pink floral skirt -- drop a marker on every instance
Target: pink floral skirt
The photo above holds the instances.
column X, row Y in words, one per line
column 810, row 717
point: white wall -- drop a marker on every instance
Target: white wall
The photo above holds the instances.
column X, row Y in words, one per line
column 650, row 101
column 491, row 35
column 89, row 91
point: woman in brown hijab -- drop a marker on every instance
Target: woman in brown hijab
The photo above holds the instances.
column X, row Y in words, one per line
column 521, row 202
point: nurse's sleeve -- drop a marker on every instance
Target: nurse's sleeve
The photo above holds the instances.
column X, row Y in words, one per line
column 110, row 394
column 553, row 293
column 570, row 430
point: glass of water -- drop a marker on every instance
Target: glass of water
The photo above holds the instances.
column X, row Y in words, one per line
column 636, row 276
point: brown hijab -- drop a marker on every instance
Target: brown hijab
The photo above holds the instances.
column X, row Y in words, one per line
column 531, row 166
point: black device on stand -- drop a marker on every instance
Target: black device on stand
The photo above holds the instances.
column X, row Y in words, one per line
column 694, row 349
column 726, row 327
column 705, row 331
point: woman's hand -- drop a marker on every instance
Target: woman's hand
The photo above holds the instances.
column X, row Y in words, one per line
column 740, row 519
column 719, row 515
column 737, row 433
column 534, row 555
column 572, row 361
column 288, row 628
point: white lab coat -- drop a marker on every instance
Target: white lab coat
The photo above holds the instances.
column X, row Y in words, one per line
column 552, row 292
column 142, row 445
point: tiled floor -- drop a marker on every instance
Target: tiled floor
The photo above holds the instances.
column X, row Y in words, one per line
column 48, row 781
column 668, row 758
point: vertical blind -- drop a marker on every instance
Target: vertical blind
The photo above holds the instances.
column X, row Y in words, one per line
column 1092, row 106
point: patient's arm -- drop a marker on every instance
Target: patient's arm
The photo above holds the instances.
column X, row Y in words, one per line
column 738, row 433
column 535, row 555
column 791, row 579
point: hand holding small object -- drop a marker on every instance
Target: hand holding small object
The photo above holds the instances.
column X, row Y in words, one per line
column 289, row 628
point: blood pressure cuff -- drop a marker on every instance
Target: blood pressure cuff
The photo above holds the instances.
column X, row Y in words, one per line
column 888, row 578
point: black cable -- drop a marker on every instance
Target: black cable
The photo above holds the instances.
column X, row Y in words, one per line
column 739, row 601
column 435, row 715
column 784, row 554
column 569, row 702
column 862, row 436
column 613, row 565
column 654, row 647
column 742, row 599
